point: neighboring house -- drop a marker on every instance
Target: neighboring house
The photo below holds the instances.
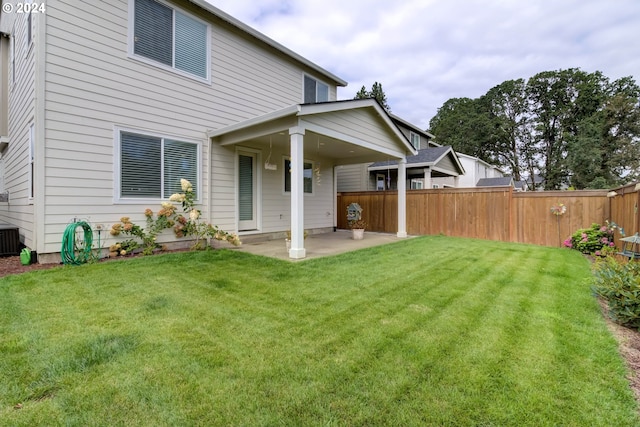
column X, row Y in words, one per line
column 433, row 166
column 106, row 105
column 496, row 182
column 535, row 184
column 475, row 170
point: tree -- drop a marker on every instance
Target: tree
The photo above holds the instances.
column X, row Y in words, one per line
column 376, row 93
column 465, row 125
column 507, row 107
column 569, row 126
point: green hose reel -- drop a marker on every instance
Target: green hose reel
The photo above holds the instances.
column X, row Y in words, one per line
column 76, row 251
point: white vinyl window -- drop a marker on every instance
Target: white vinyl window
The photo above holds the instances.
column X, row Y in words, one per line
column 170, row 37
column 151, row 167
column 307, row 173
column 415, row 140
column 417, row 184
column 315, row 91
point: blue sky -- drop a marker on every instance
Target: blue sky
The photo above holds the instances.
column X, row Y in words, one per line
column 427, row 51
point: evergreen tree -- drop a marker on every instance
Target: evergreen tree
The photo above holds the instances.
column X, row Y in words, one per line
column 376, row 93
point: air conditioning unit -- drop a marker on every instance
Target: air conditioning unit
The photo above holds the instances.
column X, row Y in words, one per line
column 9, row 240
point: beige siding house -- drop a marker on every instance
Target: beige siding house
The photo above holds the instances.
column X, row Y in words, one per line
column 106, row 105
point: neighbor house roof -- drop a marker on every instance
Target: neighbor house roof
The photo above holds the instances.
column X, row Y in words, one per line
column 263, row 38
column 425, row 157
column 495, row 182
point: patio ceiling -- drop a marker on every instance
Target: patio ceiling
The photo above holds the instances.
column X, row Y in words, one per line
column 366, row 135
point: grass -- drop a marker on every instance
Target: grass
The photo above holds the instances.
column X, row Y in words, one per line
column 429, row 331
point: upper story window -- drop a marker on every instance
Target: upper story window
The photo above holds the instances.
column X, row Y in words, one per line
column 415, row 140
column 152, row 166
column 315, row 91
column 170, row 37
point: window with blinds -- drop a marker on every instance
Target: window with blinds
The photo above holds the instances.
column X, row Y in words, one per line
column 170, row 37
column 152, row 167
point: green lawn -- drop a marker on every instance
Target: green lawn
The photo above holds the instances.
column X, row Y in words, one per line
column 429, row 331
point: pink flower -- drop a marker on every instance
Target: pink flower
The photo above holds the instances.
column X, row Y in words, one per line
column 604, row 240
column 611, row 244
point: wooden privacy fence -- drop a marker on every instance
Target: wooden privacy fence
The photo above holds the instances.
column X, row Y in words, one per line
column 495, row 213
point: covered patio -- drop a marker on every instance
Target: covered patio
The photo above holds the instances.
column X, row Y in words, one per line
column 310, row 138
column 319, row 245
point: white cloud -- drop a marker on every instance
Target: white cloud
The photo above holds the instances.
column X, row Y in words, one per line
column 425, row 52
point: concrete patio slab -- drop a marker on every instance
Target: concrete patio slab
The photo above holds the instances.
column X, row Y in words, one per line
column 319, row 245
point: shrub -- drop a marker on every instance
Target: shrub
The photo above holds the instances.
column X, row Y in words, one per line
column 167, row 217
column 619, row 284
column 592, row 239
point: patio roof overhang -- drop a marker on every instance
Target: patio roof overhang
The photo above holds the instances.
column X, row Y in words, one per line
column 347, row 132
column 353, row 131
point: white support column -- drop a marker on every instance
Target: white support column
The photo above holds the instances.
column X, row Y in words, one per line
column 456, row 181
column 296, row 135
column 427, row 178
column 402, row 197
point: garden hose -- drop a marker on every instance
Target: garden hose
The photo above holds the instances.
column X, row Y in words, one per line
column 70, row 252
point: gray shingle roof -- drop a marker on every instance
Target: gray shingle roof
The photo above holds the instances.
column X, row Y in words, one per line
column 426, row 155
column 495, row 182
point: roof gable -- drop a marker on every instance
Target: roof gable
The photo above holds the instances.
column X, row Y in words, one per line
column 495, row 182
column 267, row 40
column 426, row 157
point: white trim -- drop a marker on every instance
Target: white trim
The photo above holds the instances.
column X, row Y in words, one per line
column 206, row 5
column 117, row 152
column 413, row 135
column 258, row 188
column 172, row 68
column 29, row 27
column 12, row 57
column 305, row 161
column 32, row 163
column 419, row 183
column 316, row 94
column 352, row 140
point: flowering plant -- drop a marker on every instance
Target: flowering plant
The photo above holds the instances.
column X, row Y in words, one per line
column 593, row 240
column 147, row 235
column 559, row 209
column 188, row 224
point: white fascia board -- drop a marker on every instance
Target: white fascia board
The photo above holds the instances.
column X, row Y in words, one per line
column 329, row 107
column 355, row 141
column 411, row 126
column 278, row 114
column 258, row 35
column 383, row 168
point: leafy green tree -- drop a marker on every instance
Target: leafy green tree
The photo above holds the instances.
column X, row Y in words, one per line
column 569, row 126
column 507, row 107
column 465, row 124
column 376, row 93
